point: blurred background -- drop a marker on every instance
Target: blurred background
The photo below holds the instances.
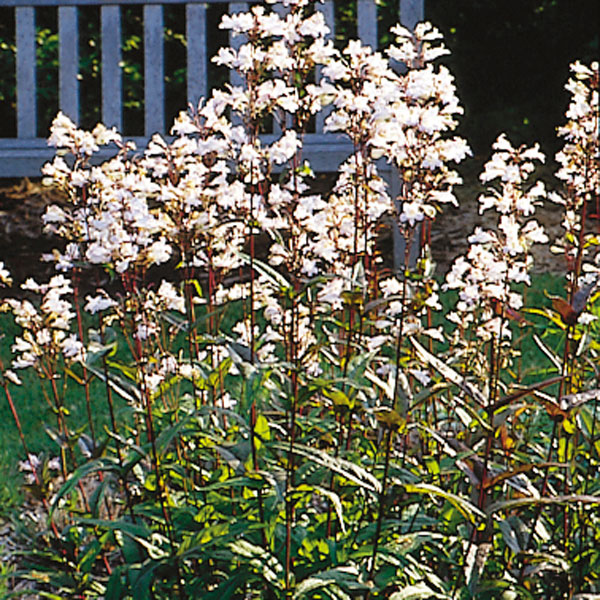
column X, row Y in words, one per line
column 510, row 59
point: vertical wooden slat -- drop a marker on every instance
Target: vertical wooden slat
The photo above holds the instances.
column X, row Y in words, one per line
column 154, row 84
column 197, row 53
column 68, row 62
column 411, row 12
column 328, row 10
column 236, row 41
column 367, row 22
column 26, row 86
column 112, row 78
column 279, row 115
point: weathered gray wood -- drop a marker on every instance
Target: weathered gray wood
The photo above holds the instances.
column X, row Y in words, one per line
column 154, row 79
column 101, row 2
column 112, row 77
column 328, row 10
column 280, row 117
column 411, row 12
column 197, row 53
column 26, row 85
column 68, row 62
column 25, row 154
column 367, row 22
column 236, row 41
column 25, row 157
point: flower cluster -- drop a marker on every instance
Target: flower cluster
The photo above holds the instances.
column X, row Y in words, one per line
column 411, row 126
column 498, row 259
column 46, row 330
column 580, row 163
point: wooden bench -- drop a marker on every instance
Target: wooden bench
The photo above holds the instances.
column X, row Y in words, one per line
column 25, row 154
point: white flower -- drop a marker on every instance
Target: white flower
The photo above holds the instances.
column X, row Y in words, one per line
column 153, row 381
column 375, row 342
column 98, row 254
column 480, row 236
column 412, row 212
column 5, row 278
column 391, row 287
column 145, row 330
column 159, row 252
column 12, row 376
column 54, row 214
column 227, row 402
column 169, row 296
column 72, row 348
column 98, row 303
column 285, row 148
column 421, row 376
column 586, row 318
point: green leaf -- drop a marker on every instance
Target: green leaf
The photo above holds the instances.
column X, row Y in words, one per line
column 123, row 388
column 345, row 468
column 391, row 419
column 331, row 496
column 114, row 587
column 466, row 508
column 338, row 397
column 264, row 562
column 278, row 280
column 417, row 591
column 93, row 466
column 261, row 428
column 448, row 373
column 544, row 501
column 339, row 581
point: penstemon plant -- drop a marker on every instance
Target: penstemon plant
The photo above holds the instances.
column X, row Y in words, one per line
column 270, row 412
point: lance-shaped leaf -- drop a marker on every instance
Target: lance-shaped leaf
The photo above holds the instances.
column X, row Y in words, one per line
column 554, row 359
column 264, row 562
column 571, row 401
column 543, row 501
column 506, row 400
column 345, row 468
column 449, row 373
column 121, row 387
column 504, row 475
column 416, row 592
column 277, row 279
column 334, row 580
column 92, row 466
column 468, row 510
column 330, row 495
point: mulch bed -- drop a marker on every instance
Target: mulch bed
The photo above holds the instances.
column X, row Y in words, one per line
column 22, row 242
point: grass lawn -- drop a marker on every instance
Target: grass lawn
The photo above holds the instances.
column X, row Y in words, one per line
column 38, row 419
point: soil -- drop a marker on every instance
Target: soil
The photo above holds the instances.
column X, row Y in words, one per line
column 22, row 242
column 452, row 228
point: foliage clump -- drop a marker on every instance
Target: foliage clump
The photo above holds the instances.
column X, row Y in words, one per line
column 296, row 423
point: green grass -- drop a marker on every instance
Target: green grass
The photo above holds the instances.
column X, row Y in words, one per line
column 36, row 416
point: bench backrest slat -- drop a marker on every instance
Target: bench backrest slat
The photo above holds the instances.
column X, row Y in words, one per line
column 197, row 53
column 411, row 12
column 236, row 41
column 112, row 81
column 68, row 61
column 26, row 97
column 366, row 24
column 154, row 70
column 328, row 10
column 25, row 153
